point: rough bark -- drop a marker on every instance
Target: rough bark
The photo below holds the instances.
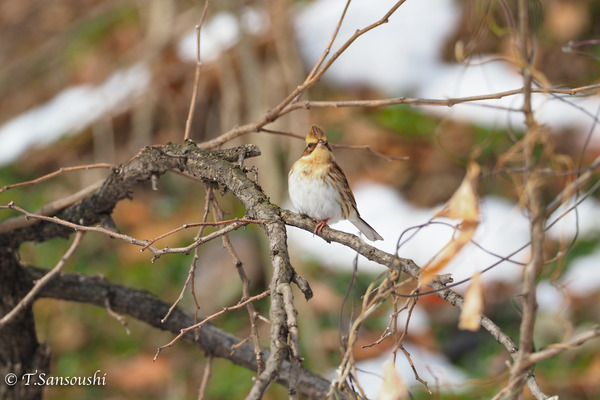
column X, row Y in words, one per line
column 20, row 351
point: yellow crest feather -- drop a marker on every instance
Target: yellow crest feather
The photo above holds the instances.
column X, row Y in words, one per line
column 315, row 134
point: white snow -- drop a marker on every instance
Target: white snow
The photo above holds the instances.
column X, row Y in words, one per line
column 583, row 276
column 217, row 35
column 402, row 53
column 71, row 111
column 220, row 33
column 432, row 367
column 582, row 221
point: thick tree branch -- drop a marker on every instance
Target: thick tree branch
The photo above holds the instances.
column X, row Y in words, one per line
column 147, row 308
column 96, row 207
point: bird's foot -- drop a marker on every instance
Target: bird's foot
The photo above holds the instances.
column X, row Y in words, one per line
column 320, row 225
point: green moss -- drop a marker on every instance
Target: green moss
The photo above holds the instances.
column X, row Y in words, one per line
column 407, row 122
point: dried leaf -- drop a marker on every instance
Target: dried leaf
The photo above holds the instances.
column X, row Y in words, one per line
column 462, row 205
column 470, row 316
column 466, row 230
column 393, row 386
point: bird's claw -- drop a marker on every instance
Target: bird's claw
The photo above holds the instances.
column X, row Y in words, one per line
column 320, row 226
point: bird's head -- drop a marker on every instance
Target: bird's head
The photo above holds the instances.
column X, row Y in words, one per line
column 316, row 142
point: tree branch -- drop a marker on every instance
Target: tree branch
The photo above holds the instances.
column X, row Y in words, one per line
column 39, row 284
column 147, row 308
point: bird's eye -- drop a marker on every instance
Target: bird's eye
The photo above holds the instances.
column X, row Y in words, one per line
column 311, row 145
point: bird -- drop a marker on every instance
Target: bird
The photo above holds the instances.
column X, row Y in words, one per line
column 319, row 189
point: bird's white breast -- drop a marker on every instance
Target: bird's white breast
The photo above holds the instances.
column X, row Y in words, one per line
column 312, row 196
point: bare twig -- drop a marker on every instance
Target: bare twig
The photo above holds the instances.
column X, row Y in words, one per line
column 210, row 318
column 240, row 344
column 325, row 53
column 49, row 209
column 341, row 146
column 190, row 278
column 192, row 270
column 58, row 172
column 195, row 224
column 219, row 214
column 400, row 342
column 288, row 105
column 205, row 377
column 377, row 103
column 235, row 224
column 116, row 316
column 557, row 348
column 190, row 118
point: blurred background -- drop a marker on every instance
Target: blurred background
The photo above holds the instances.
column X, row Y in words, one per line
column 85, row 82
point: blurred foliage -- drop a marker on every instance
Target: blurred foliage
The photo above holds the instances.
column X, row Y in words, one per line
column 407, row 122
column 94, row 32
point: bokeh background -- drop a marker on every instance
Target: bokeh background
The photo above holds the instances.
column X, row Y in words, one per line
column 85, row 82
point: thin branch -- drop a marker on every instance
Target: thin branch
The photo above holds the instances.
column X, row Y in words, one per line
column 557, row 348
column 52, row 208
column 205, row 377
column 235, row 224
column 190, row 118
column 219, row 214
column 400, row 343
column 210, row 318
column 376, row 103
column 189, row 279
column 58, row 172
column 240, row 344
column 341, row 146
column 192, row 270
column 356, row 35
column 325, row 53
column 156, row 253
column 196, row 224
column 116, row 316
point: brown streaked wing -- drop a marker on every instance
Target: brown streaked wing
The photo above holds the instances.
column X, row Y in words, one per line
column 339, row 181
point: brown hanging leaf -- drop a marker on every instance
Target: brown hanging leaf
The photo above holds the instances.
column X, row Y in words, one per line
column 393, row 386
column 465, row 231
column 470, row 316
column 462, row 205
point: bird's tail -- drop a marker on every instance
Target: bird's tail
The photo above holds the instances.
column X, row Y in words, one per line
column 366, row 229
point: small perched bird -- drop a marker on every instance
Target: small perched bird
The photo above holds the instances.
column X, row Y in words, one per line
column 318, row 187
